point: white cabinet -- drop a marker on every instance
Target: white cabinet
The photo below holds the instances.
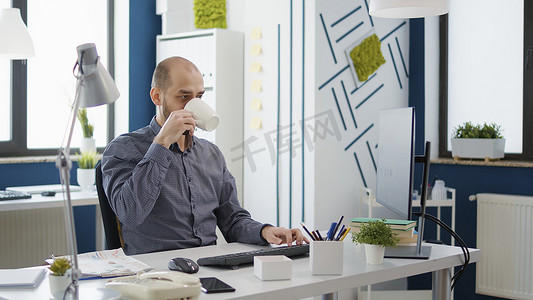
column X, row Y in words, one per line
column 218, row 53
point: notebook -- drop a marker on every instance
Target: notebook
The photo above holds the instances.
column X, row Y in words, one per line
column 22, row 278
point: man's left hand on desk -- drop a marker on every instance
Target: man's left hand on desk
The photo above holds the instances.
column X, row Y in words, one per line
column 281, row 235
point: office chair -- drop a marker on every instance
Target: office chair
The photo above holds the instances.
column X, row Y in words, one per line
column 111, row 225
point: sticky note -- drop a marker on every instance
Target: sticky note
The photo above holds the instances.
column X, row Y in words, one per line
column 256, row 104
column 256, row 67
column 256, row 123
column 257, row 86
column 256, row 33
column 256, row 49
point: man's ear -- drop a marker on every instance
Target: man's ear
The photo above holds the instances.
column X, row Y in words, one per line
column 155, row 94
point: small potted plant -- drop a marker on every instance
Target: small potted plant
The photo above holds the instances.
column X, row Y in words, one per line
column 477, row 141
column 86, row 174
column 59, row 275
column 87, row 142
column 375, row 235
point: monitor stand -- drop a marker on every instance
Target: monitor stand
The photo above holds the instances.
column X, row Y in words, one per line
column 418, row 251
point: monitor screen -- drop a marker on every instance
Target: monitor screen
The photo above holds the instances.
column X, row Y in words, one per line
column 395, row 159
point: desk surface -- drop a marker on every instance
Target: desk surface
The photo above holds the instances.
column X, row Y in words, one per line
column 303, row 284
column 38, row 201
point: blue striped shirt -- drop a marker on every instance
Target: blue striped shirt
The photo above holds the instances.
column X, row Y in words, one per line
column 168, row 199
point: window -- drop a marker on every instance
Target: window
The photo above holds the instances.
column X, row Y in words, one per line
column 482, row 71
column 46, row 84
column 5, row 92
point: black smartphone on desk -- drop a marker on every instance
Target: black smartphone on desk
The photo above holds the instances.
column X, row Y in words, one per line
column 215, row 285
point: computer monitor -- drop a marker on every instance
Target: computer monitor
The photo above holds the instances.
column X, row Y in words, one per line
column 396, row 160
column 395, row 173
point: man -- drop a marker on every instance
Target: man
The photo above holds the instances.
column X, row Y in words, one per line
column 170, row 189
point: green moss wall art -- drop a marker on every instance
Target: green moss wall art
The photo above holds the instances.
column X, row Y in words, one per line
column 210, row 14
column 367, row 57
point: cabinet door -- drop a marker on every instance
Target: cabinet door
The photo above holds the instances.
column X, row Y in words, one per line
column 200, row 50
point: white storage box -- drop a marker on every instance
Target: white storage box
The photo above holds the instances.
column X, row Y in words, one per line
column 273, row 267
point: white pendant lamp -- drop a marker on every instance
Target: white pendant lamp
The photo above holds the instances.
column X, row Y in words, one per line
column 404, row 9
column 15, row 40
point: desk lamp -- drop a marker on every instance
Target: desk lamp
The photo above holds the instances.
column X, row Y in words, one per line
column 15, row 41
column 403, row 9
column 94, row 87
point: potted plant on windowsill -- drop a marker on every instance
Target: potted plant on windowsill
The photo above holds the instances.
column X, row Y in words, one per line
column 375, row 235
column 476, row 141
column 86, row 174
column 59, row 275
column 87, row 142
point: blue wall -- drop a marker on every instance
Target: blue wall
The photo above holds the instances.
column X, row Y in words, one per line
column 144, row 26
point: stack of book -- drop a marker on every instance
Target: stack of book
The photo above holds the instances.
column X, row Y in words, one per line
column 404, row 229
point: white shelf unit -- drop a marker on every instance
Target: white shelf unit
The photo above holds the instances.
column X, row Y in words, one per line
column 368, row 198
column 218, row 54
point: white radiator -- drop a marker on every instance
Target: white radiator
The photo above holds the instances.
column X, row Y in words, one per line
column 505, row 237
column 27, row 237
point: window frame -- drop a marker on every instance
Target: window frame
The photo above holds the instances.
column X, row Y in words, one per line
column 17, row 145
column 527, row 113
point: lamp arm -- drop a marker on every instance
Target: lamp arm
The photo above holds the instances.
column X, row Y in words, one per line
column 64, row 164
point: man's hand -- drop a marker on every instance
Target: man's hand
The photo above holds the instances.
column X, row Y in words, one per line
column 176, row 124
column 280, row 235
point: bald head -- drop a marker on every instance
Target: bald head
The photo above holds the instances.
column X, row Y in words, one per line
column 161, row 77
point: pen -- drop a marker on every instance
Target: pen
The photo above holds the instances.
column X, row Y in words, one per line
column 303, row 226
column 340, row 233
column 338, row 224
column 331, row 230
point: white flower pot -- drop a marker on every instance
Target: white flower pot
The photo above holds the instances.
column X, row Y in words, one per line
column 374, row 254
column 478, row 148
column 86, row 178
column 88, row 145
column 58, row 284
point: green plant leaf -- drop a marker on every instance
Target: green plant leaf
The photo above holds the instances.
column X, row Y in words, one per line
column 376, row 232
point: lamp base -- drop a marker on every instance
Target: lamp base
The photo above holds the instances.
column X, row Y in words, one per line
column 88, row 293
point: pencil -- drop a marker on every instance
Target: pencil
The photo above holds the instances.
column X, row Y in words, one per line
column 345, row 234
column 337, row 227
column 309, row 233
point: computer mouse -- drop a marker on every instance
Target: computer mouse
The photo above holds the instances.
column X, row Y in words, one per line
column 48, row 193
column 183, row 264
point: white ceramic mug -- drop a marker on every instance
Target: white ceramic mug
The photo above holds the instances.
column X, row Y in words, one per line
column 204, row 116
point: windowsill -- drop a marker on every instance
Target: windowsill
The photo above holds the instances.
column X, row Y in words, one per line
column 472, row 162
column 28, row 159
column 35, row 159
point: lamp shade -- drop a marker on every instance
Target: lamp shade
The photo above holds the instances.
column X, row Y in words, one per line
column 15, row 40
column 97, row 87
column 403, row 9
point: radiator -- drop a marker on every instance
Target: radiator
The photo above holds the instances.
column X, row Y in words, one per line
column 505, row 237
column 27, row 237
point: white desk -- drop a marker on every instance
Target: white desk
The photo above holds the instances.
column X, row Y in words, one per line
column 303, row 284
column 78, row 199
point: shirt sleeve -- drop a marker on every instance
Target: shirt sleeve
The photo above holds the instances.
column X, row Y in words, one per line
column 132, row 181
column 235, row 222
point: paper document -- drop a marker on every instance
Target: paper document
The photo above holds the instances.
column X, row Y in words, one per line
column 109, row 263
column 22, row 278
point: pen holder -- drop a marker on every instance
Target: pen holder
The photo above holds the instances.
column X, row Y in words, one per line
column 326, row 257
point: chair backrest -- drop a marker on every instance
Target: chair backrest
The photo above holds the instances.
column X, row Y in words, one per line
column 111, row 227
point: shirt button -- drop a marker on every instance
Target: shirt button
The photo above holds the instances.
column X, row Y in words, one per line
column 190, row 180
column 196, row 232
column 194, row 206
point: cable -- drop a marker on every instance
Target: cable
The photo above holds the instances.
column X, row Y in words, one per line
column 458, row 239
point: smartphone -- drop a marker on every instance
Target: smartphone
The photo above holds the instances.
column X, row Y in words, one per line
column 215, row 285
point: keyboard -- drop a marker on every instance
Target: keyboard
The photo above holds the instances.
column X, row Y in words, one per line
column 12, row 195
column 235, row 259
